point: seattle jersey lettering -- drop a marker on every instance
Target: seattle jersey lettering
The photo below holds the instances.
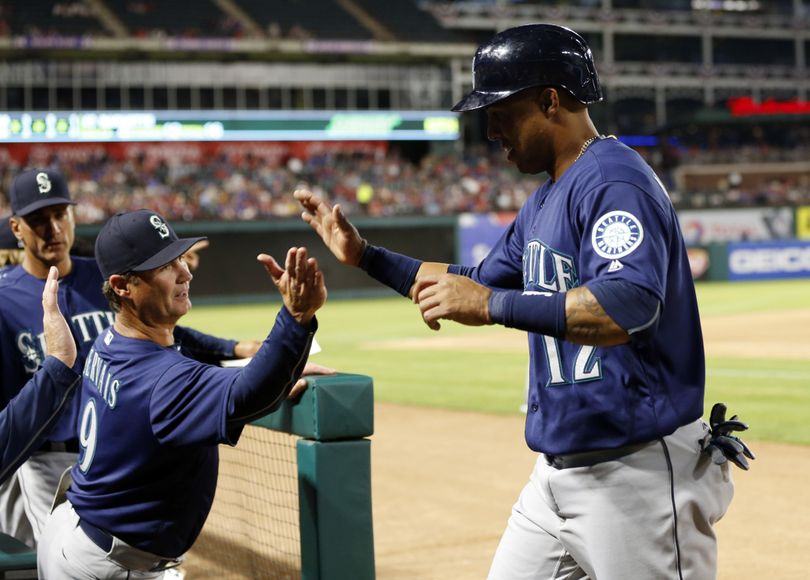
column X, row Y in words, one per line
column 547, row 269
column 105, row 383
column 87, row 326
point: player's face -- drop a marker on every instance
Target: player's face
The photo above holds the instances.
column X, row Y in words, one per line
column 522, row 130
column 47, row 234
column 162, row 295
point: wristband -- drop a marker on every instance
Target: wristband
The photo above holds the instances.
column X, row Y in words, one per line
column 461, row 270
column 394, row 270
column 541, row 313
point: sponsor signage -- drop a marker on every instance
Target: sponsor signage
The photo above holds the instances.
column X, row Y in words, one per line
column 478, row 233
column 769, row 260
column 803, row 222
column 703, row 227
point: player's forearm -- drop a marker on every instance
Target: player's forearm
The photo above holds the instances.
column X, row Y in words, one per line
column 265, row 381
column 586, row 322
column 28, row 419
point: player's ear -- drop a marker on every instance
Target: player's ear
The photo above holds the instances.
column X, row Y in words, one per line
column 14, row 223
column 548, row 99
column 120, row 285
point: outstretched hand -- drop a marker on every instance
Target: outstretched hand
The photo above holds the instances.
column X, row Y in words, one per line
column 452, row 297
column 58, row 339
column 331, row 224
column 300, row 282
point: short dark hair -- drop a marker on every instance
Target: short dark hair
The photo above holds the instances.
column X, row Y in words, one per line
column 113, row 299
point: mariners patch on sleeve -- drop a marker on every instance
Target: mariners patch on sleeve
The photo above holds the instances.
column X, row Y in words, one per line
column 616, row 234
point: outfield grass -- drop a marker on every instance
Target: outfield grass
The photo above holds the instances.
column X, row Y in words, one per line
column 356, row 336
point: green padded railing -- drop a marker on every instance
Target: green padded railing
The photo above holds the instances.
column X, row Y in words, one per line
column 14, row 555
column 334, row 415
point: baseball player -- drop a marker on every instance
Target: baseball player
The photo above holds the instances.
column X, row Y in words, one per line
column 594, row 268
column 43, row 221
column 29, row 417
column 151, row 418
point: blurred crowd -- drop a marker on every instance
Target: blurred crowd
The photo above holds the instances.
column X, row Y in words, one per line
column 374, row 183
column 247, row 187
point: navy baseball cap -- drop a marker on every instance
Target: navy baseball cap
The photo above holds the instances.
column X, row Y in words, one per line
column 38, row 188
column 137, row 241
column 8, row 241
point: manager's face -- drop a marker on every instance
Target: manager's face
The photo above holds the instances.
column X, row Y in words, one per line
column 161, row 296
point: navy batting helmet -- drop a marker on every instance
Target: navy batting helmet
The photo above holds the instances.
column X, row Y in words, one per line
column 529, row 56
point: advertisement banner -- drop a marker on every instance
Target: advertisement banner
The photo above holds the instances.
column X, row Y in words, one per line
column 769, row 260
column 703, row 227
column 803, row 222
column 478, row 233
column 699, row 262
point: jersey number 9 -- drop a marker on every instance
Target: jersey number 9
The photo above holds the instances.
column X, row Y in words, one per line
column 88, row 432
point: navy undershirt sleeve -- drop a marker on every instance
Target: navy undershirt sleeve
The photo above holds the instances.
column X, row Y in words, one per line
column 461, row 270
column 396, row 271
column 635, row 309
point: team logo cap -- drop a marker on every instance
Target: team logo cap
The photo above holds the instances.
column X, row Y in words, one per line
column 137, row 241
column 38, row 188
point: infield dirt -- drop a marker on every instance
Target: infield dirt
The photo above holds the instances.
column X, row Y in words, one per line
column 443, row 484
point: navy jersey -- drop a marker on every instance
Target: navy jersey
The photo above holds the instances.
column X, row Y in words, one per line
column 608, row 217
column 150, row 422
column 22, row 341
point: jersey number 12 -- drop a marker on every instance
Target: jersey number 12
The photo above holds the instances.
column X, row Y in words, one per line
column 587, row 367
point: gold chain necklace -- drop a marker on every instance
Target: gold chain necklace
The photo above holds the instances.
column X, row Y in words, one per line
column 585, row 146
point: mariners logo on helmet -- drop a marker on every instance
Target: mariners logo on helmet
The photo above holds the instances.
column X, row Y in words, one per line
column 616, row 234
column 160, row 226
column 43, row 182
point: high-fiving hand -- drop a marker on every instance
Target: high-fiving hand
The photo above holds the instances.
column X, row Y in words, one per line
column 300, row 282
column 58, row 339
column 331, row 224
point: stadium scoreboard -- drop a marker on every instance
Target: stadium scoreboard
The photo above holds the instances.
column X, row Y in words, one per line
column 110, row 126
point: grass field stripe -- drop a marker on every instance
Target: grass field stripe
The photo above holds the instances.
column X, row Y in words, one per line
column 758, row 374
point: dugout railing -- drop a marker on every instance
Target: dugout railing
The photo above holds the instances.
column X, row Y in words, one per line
column 329, row 425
